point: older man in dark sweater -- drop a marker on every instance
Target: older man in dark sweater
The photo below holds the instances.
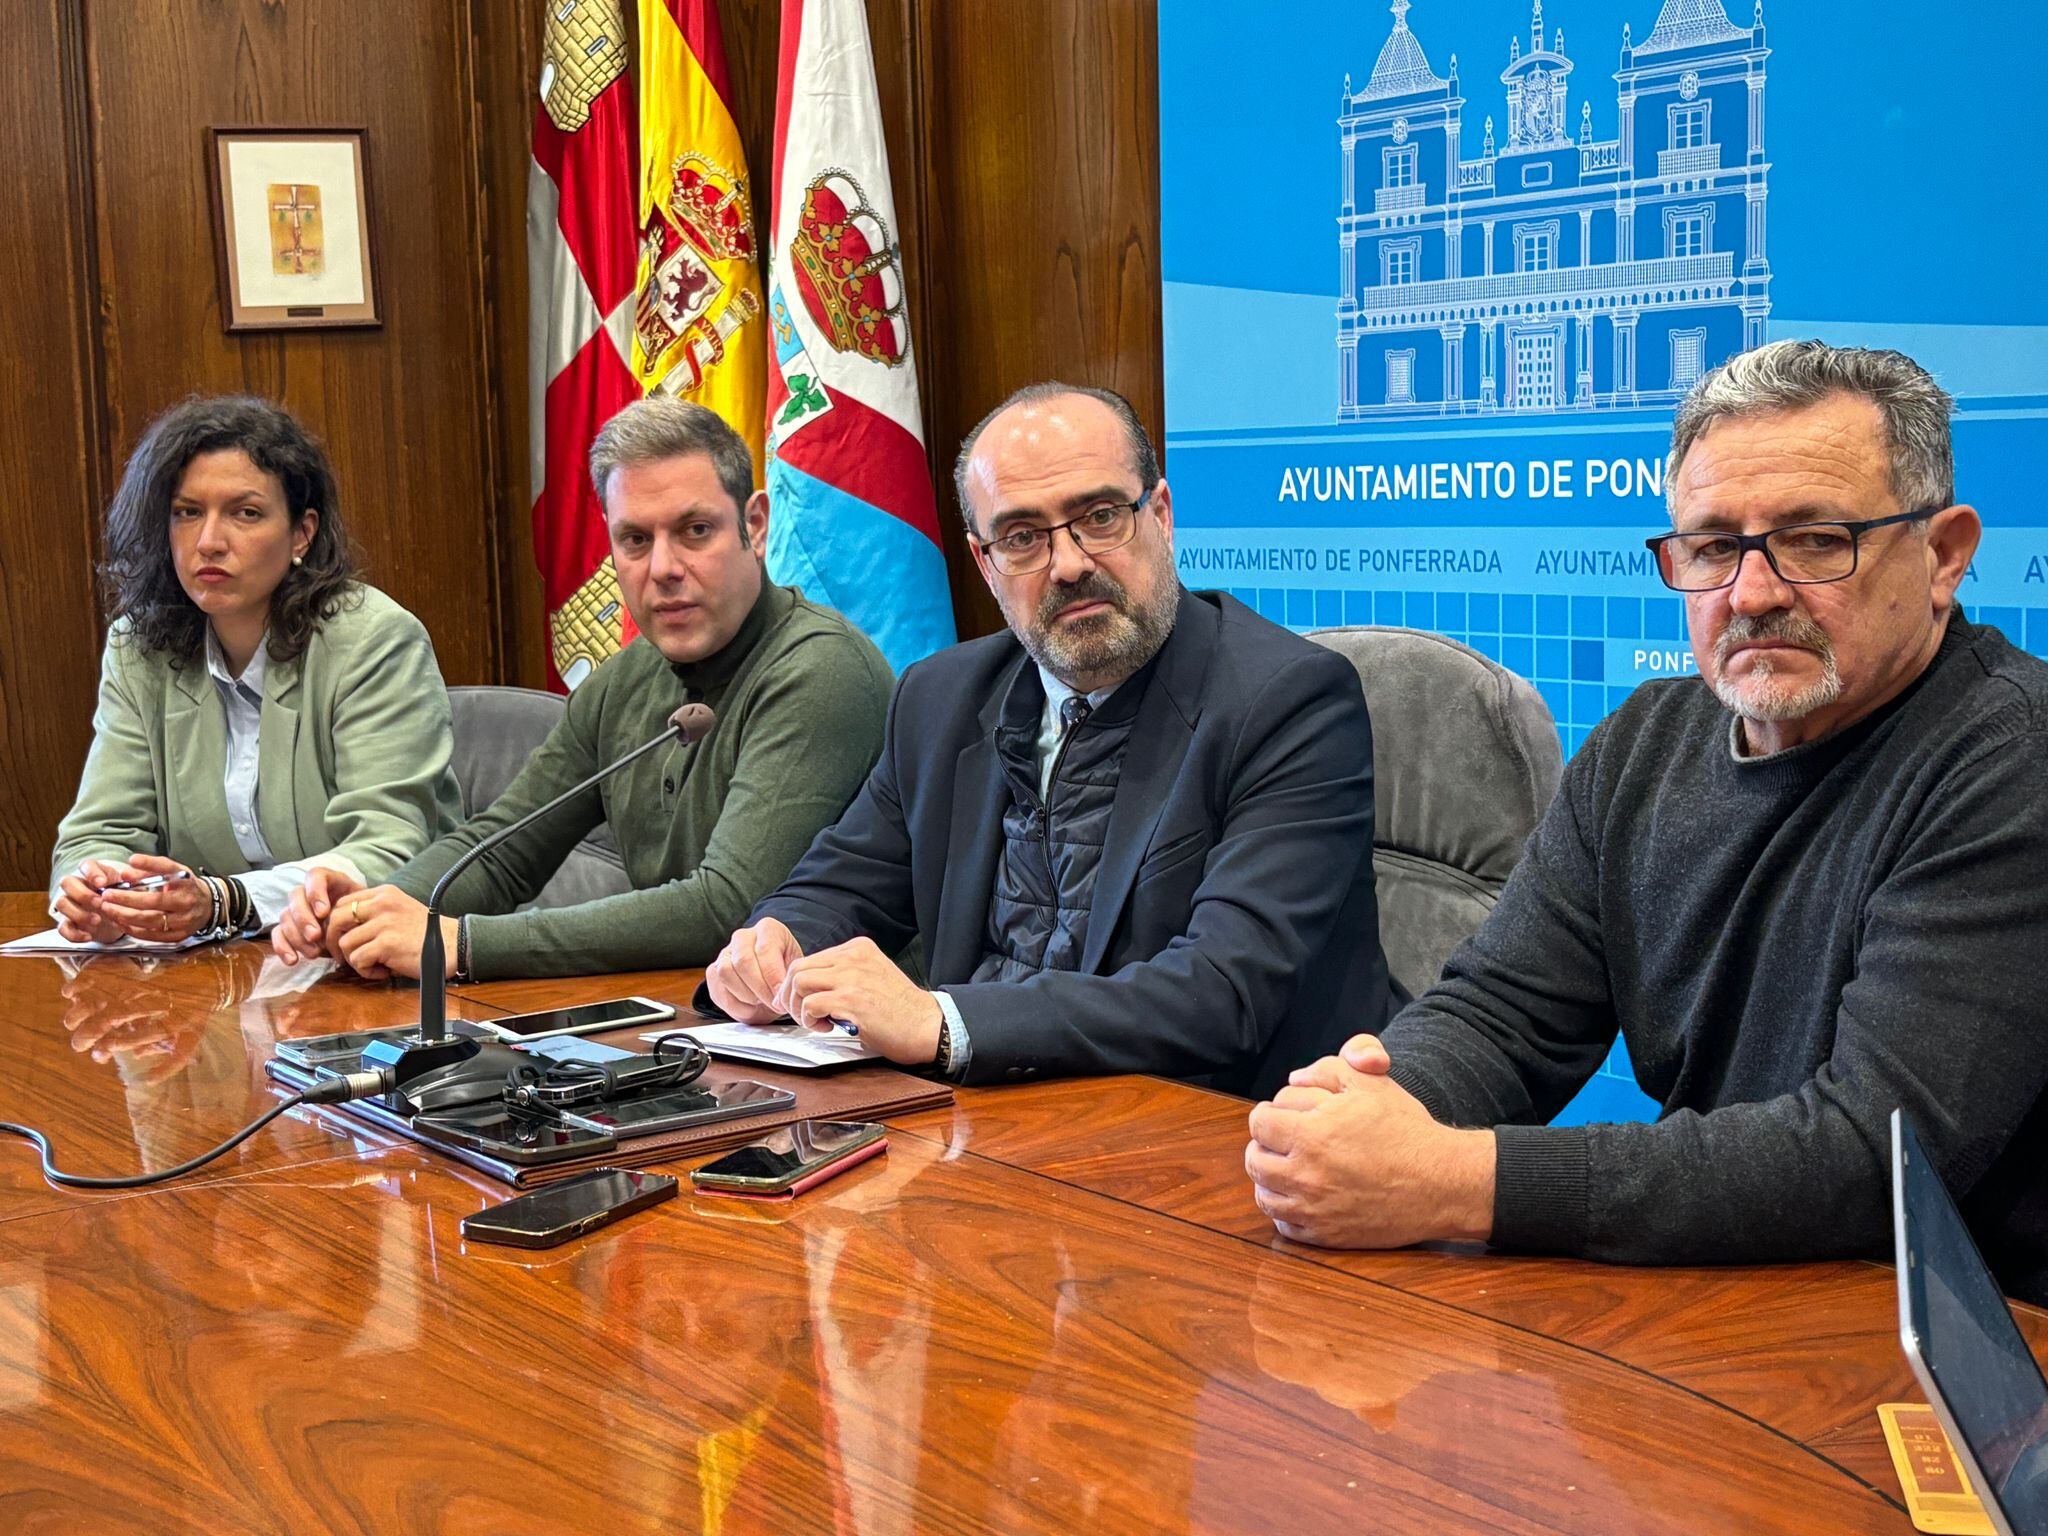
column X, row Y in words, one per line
column 1806, row 888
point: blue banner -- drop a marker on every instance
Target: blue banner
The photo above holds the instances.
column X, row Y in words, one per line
column 1436, row 274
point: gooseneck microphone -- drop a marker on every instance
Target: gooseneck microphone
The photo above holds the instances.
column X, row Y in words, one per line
column 432, row 1047
column 689, row 725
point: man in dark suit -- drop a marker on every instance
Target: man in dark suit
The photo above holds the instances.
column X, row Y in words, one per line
column 1134, row 833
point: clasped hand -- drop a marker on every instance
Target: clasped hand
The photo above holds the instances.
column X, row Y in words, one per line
column 377, row 932
column 88, row 912
column 1344, row 1157
column 763, row 974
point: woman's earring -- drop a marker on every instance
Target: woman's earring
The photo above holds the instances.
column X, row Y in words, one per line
column 298, row 559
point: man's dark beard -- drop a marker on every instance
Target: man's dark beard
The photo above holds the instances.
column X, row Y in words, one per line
column 1111, row 644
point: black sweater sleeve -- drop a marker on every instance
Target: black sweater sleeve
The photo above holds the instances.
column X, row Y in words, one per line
column 1522, row 1015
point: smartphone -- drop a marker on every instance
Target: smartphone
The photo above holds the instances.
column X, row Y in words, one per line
column 513, row 1134
column 685, row 1106
column 580, row 1019
column 568, row 1209
column 344, row 1052
column 792, row 1159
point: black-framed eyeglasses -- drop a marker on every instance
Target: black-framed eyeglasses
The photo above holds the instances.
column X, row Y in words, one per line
column 1102, row 528
column 1805, row 554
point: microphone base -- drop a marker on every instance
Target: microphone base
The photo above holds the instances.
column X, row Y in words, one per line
column 408, row 1059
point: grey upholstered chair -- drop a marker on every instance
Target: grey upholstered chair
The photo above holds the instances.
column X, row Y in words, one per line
column 1465, row 759
column 496, row 730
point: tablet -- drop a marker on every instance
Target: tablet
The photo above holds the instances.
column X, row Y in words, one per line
column 1960, row 1338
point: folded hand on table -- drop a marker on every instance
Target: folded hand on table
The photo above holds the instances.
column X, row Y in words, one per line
column 1344, row 1157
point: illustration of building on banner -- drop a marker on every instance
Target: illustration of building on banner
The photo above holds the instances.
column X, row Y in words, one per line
column 1553, row 270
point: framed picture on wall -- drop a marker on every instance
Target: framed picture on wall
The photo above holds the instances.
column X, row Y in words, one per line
column 291, row 228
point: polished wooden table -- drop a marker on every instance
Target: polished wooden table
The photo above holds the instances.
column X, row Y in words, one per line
column 1050, row 1308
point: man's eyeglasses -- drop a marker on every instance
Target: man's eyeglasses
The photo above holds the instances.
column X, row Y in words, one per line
column 1805, row 554
column 1097, row 531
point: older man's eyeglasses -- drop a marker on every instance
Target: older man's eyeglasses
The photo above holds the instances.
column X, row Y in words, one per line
column 1805, row 554
column 1022, row 551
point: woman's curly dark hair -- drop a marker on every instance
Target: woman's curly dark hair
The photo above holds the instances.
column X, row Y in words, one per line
column 138, row 577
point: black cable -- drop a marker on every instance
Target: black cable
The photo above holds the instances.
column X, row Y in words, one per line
column 137, row 1181
column 695, row 1058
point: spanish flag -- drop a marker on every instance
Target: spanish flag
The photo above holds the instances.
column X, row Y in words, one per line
column 697, row 325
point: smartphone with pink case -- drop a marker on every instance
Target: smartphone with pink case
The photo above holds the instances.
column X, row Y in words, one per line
column 789, row 1161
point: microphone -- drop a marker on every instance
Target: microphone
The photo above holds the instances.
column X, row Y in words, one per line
column 689, row 725
column 432, row 1046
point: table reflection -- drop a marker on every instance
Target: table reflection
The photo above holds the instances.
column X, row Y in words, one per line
column 185, row 1041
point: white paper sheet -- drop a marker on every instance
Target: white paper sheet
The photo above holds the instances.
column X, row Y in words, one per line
column 51, row 942
column 775, row 1045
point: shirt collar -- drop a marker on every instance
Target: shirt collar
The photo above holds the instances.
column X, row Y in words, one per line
column 250, row 682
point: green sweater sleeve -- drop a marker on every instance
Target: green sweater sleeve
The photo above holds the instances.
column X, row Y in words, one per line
column 515, row 871
column 812, row 730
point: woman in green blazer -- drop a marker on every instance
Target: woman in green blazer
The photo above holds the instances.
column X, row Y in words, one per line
column 261, row 710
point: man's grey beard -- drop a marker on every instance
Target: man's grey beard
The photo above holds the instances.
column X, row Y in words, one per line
column 1110, row 645
column 1763, row 696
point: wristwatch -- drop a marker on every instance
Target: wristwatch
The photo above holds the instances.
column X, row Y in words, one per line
column 942, row 1059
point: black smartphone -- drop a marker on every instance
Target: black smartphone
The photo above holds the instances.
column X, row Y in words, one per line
column 344, row 1052
column 568, row 1209
column 579, row 1019
column 792, row 1159
column 685, row 1106
column 513, row 1134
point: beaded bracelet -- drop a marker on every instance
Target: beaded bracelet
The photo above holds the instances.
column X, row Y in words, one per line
column 211, row 928
column 241, row 910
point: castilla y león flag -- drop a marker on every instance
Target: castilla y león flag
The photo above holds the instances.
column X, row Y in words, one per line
column 852, row 518
column 581, row 249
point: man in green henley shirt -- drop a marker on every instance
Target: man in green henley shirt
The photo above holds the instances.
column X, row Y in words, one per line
column 706, row 832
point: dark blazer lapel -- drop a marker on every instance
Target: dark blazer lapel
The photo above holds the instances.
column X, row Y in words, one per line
column 195, row 762
column 974, row 843
column 1159, row 741
column 277, row 742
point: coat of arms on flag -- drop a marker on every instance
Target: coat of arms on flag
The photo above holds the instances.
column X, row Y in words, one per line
column 696, row 331
column 580, row 253
column 852, row 519
column 640, row 240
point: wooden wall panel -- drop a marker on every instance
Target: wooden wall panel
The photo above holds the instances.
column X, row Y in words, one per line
column 1040, row 217
column 505, row 66
column 49, row 488
column 402, row 408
